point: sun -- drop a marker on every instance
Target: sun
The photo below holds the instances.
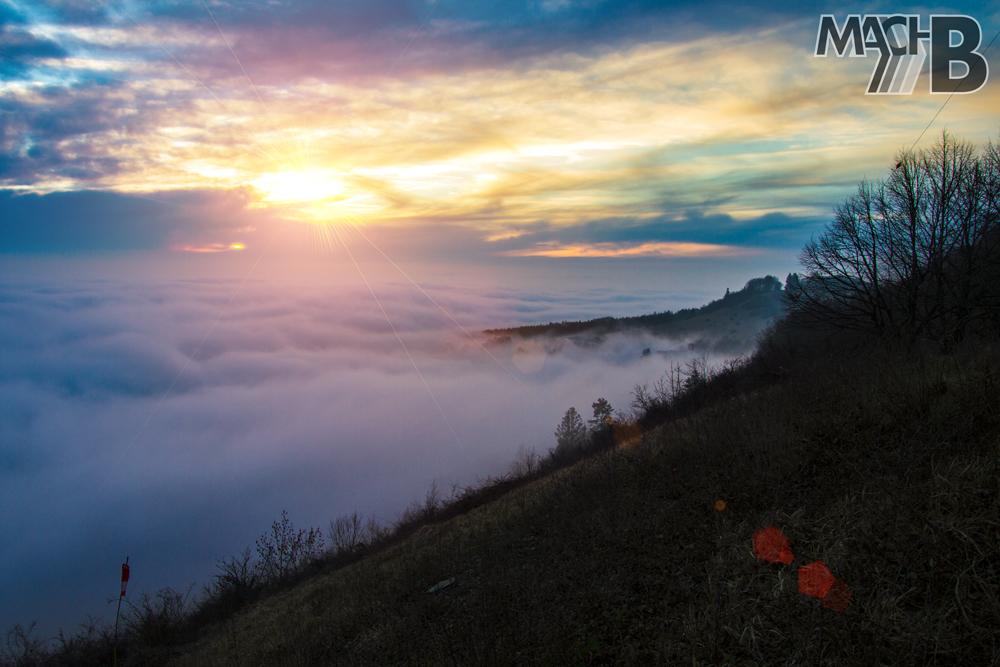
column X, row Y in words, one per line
column 324, row 197
column 306, row 186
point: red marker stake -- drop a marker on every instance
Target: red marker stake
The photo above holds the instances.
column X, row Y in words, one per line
column 117, row 613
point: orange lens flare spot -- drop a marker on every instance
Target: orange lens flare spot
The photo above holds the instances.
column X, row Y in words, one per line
column 769, row 543
column 720, row 505
column 815, row 579
column 838, row 596
column 627, row 434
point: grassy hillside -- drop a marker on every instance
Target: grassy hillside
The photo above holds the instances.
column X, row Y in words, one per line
column 881, row 463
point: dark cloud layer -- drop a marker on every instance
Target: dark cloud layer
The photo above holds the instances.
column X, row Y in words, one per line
column 93, row 220
column 71, row 12
column 512, row 29
column 72, row 221
column 19, row 49
column 80, row 221
column 772, row 230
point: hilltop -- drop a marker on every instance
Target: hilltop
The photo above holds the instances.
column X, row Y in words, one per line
column 729, row 324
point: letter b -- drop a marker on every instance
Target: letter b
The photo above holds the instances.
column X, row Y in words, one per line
column 944, row 53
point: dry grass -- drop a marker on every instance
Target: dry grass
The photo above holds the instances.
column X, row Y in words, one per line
column 884, row 466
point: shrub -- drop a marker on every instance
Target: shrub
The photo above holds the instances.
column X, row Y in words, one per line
column 346, row 533
column 286, row 551
column 21, row 648
column 154, row 620
column 238, row 579
column 525, row 463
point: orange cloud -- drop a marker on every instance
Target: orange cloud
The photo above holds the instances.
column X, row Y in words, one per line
column 208, row 247
column 653, row 249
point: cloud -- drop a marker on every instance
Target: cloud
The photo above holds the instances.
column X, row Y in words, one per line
column 75, row 12
column 690, row 233
column 79, row 221
column 299, row 397
column 19, row 48
column 743, row 123
column 213, row 221
column 717, row 141
column 661, row 249
column 52, row 134
column 88, row 221
column 210, row 247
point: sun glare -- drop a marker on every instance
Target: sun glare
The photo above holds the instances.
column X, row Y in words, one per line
column 299, row 186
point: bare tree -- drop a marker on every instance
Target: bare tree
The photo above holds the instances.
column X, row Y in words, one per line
column 286, row 550
column 346, row 533
column 375, row 531
column 914, row 254
column 525, row 463
column 238, row 577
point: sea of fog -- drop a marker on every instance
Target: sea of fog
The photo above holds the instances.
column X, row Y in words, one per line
column 172, row 420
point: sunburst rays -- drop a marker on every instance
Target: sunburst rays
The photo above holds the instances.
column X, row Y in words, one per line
column 311, row 192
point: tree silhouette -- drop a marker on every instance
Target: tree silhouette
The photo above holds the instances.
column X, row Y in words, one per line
column 915, row 254
column 604, row 415
column 766, row 284
column 571, row 433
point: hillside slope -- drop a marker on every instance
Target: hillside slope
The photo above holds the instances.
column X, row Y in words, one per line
column 884, row 465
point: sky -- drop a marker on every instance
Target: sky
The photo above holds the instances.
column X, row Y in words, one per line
column 221, row 222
